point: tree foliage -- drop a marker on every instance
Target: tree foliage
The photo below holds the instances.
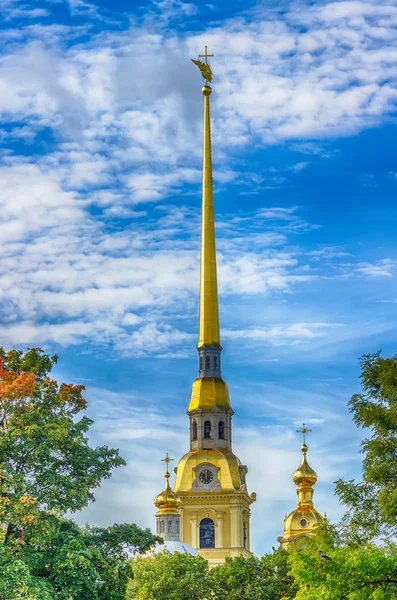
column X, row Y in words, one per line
column 372, row 503
column 363, row 563
column 184, row 577
column 46, row 469
column 367, row 572
column 253, row 578
column 173, row 576
column 46, row 464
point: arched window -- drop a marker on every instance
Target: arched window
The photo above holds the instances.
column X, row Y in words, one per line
column 162, row 527
column 245, row 534
column 207, row 533
column 201, row 363
column 221, row 430
column 170, row 528
column 215, row 363
column 207, row 362
column 176, row 526
column 194, row 430
column 207, row 429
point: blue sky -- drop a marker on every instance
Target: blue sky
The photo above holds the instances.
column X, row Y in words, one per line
column 101, row 117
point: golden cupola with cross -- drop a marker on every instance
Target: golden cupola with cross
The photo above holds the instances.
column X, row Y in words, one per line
column 210, row 479
column 302, row 522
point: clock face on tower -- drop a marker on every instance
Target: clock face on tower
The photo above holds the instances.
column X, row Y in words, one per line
column 206, row 476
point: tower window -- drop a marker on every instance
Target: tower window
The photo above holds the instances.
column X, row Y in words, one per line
column 207, row 429
column 207, row 362
column 170, row 527
column 244, row 534
column 215, row 363
column 201, row 363
column 194, row 430
column 207, row 533
column 221, row 430
column 162, row 527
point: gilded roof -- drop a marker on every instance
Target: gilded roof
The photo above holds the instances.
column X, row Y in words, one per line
column 224, row 460
column 167, row 501
column 209, row 393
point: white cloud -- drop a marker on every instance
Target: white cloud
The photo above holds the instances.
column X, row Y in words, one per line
column 279, row 335
column 272, row 82
column 383, row 268
column 126, row 110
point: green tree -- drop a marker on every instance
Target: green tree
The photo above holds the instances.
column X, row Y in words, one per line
column 89, row 563
column 46, row 469
column 253, row 578
column 366, row 572
column 363, row 556
column 168, row 576
column 372, row 503
column 46, row 464
column 280, row 584
column 239, row 579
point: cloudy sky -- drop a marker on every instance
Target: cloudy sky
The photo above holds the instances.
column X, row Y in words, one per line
column 101, row 117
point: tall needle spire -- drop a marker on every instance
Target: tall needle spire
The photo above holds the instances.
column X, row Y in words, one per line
column 209, row 314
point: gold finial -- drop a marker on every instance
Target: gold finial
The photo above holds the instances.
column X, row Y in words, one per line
column 205, row 68
column 304, row 431
column 167, row 460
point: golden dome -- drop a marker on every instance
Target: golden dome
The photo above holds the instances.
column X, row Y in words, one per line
column 225, row 461
column 167, row 501
column 304, row 475
column 302, row 521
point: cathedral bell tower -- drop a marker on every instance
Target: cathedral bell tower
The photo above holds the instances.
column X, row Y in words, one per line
column 210, row 479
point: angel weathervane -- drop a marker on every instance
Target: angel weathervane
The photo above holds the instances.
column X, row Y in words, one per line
column 205, row 69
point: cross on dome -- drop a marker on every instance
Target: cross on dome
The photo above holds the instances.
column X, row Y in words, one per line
column 304, row 431
column 167, row 460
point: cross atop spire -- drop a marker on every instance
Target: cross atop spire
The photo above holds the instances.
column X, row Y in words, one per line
column 205, row 69
column 167, row 460
column 304, row 431
column 206, row 55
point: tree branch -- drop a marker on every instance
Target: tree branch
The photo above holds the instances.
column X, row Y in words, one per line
column 385, row 581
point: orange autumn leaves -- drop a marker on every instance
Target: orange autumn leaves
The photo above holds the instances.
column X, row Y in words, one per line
column 17, row 391
column 29, row 405
column 15, row 386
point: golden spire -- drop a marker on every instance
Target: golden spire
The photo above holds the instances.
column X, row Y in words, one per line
column 167, row 501
column 209, row 315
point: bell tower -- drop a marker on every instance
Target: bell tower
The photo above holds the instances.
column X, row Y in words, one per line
column 210, row 479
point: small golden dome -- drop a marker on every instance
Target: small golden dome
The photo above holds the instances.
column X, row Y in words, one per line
column 304, row 475
column 167, row 501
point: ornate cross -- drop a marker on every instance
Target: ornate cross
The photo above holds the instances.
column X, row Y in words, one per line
column 206, row 55
column 304, row 431
column 167, row 460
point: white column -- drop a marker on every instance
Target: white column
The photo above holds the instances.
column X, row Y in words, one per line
column 219, row 530
column 181, row 532
column 193, row 522
column 236, row 526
